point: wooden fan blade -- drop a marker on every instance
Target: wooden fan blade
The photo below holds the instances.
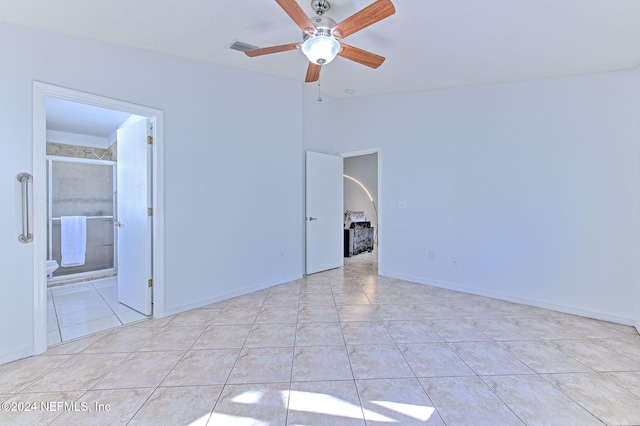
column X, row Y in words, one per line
column 361, row 56
column 296, row 13
column 371, row 14
column 273, row 49
column 313, row 73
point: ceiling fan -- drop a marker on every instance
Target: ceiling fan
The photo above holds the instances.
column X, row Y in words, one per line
column 321, row 40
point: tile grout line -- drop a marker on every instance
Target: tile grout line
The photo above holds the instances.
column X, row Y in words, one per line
column 172, row 369
column 346, row 347
column 226, row 383
column 293, row 358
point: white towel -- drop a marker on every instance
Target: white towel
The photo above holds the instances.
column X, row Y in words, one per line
column 73, row 238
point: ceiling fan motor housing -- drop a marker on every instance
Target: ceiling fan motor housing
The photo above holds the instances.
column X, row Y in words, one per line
column 323, row 26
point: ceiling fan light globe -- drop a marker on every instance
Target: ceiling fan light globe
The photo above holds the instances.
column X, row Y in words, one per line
column 321, row 49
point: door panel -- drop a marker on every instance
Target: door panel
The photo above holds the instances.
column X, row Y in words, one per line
column 324, row 216
column 133, row 220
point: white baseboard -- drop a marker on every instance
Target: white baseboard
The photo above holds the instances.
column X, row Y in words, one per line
column 228, row 295
column 574, row 310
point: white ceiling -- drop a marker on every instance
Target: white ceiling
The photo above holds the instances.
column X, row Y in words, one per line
column 428, row 44
column 73, row 117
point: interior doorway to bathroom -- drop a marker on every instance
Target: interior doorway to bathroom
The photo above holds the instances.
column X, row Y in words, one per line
column 82, row 142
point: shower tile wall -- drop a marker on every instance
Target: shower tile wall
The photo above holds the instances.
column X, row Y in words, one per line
column 75, row 151
column 82, row 189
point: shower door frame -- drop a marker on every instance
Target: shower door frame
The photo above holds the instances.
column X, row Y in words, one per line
column 40, row 92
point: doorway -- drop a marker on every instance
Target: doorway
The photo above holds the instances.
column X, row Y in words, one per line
column 326, row 203
column 96, row 287
column 361, row 197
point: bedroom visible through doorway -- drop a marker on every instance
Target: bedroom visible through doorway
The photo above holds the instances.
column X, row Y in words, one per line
column 361, row 218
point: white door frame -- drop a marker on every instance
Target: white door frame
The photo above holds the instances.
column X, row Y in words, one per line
column 40, row 92
column 379, row 198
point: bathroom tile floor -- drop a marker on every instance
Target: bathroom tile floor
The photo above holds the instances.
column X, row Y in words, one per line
column 341, row 347
column 78, row 310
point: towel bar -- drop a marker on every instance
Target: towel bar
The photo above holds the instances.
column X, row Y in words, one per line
column 89, row 217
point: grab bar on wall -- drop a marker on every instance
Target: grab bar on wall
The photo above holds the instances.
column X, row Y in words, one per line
column 25, row 179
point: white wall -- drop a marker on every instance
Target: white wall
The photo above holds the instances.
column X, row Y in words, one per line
column 532, row 186
column 232, row 147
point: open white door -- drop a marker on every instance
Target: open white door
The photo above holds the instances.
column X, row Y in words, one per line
column 133, row 219
column 324, row 216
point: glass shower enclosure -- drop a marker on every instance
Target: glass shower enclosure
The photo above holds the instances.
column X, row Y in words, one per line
column 83, row 187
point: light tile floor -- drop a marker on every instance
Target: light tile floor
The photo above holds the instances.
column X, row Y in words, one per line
column 340, row 347
column 78, row 310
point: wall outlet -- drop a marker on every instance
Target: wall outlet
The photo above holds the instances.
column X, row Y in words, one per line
column 432, row 255
column 454, row 262
column 402, row 205
column 281, row 253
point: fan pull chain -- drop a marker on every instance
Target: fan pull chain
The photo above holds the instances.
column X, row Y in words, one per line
column 319, row 94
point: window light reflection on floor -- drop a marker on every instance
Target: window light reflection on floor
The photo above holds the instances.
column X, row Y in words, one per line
column 249, row 397
column 311, row 402
column 202, row 421
column 418, row 412
column 319, row 403
column 231, row 420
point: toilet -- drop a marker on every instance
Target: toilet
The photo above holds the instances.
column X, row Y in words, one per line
column 52, row 265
